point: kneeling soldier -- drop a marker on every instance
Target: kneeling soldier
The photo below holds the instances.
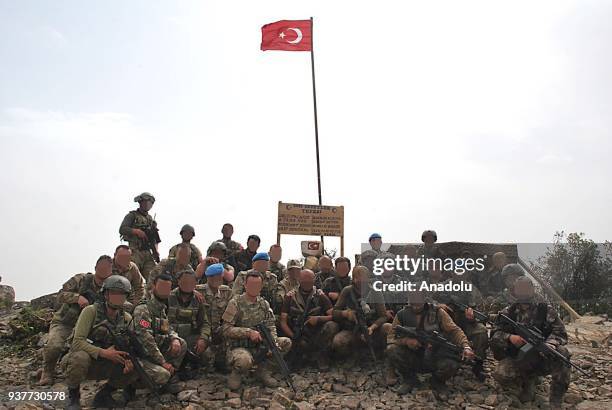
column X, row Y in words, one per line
column 245, row 345
column 408, row 356
column 187, row 315
column 153, row 330
column 517, row 369
column 92, row 355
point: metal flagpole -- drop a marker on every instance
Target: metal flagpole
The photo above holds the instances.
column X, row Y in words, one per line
column 316, row 122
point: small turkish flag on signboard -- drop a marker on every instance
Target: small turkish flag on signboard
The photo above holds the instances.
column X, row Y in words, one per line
column 287, row 35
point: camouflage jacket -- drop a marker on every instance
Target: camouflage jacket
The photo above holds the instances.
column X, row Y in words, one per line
column 153, row 328
column 278, row 269
column 81, row 284
column 373, row 306
column 283, row 288
column 196, row 255
column 215, row 305
column 132, row 273
column 188, row 318
column 135, row 219
column 168, row 266
column 268, row 292
column 321, row 276
column 241, row 316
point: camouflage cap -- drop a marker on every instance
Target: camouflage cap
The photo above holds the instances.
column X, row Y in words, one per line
column 144, row 196
column 117, row 282
column 216, row 246
column 294, row 263
column 523, row 290
column 512, row 269
column 187, row 228
column 188, row 271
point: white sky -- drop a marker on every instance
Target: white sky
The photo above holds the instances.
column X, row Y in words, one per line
column 485, row 120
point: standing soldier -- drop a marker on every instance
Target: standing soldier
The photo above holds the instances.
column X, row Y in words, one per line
column 122, row 265
column 139, row 229
column 80, row 291
column 333, row 285
column 326, row 270
column 306, row 317
column 277, row 268
column 92, row 355
column 359, row 299
column 162, row 345
column 172, row 266
column 261, row 263
column 245, row 257
column 233, row 247
column 216, row 297
column 243, row 313
column 188, row 317
column 187, row 233
column 518, row 369
column 409, row 357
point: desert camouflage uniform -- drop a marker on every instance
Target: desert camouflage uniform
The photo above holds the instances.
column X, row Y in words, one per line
column 142, row 258
column 189, row 319
column 196, row 255
column 268, row 292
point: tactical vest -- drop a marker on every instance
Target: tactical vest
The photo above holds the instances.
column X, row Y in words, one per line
column 297, row 305
column 266, row 291
column 249, row 315
column 184, row 319
column 160, row 325
column 143, row 222
column 428, row 318
column 69, row 312
column 99, row 334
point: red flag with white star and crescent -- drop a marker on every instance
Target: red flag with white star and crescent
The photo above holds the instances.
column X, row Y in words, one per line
column 287, row 35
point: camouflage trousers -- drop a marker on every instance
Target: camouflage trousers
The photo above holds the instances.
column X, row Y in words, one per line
column 56, row 344
column 511, row 374
column 318, row 339
column 346, row 341
column 79, row 366
column 407, row 361
column 177, row 360
column 144, row 261
column 242, row 360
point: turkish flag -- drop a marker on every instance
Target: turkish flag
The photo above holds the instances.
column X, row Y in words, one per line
column 287, row 35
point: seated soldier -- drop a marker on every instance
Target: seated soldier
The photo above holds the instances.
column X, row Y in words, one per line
column 188, row 317
column 517, row 370
column 80, row 291
column 333, row 285
column 289, row 283
column 276, row 267
column 306, row 317
column 172, row 266
column 162, row 345
column 326, row 270
column 408, row 356
column 261, row 264
column 355, row 301
column 243, row 313
column 92, row 354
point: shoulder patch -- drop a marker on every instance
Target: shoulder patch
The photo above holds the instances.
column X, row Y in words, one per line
column 144, row 323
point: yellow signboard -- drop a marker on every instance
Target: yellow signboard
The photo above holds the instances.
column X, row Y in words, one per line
column 316, row 220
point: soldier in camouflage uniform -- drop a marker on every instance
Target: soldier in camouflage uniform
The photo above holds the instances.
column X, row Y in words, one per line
column 491, row 283
column 219, row 251
column 510, row 274
column 514, row 371
column 133, row 230
column 172, row 266
column 233, row 247
column 270, row 282
column 409, row 357
column 333, row 285
column 122, row 265
column 359, row 296
column 189, row 318
column 187, row 233
column 306, row 317
column 92, row 355
column 326, row 270
column 164, row 348
column 277, row 268
column 216, row 297
column 394, row 301
column 244, row 258
column 80, row 291
column 243, row 312
column 290, row 282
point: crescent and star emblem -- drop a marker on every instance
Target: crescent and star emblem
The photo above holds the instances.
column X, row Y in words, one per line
column 297, row 32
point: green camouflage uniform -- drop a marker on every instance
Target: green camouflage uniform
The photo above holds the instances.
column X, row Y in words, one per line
column 189, row 319
column 196, row 255
column 215, row 305
column 268, row 292
column 170, row 267
column 141, row 255
column 278, row 269
column 136, row 280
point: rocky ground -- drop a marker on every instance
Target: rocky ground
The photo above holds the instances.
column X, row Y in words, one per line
column 352, row 384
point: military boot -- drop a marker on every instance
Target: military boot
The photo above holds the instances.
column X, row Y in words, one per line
column 104, row 398
column 74, row 398
column 234, row 380
column 478, row 370
column 390, row 376
column 527, row 393
column 263, row 374
column 557, row 391
column 47, row 377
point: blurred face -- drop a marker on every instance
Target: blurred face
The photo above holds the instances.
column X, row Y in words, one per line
column 294, row 273
column 276, row 253
column 116, row 297
column 306, row 279
column 325, row 264
column 376, row 243
column 123, row 257
column 183, row 255
column 360, row 279
column 261, row 266
column 417, row 301
column 187, row 283
column 252, row 245
column 499, row 260
column 187, row 236
column 342, row 269
column 428, row 239
column 227, row 231
column 162, row 289
column 104, row 269
column 215, row 281
column 146, row 205
column 253, row 285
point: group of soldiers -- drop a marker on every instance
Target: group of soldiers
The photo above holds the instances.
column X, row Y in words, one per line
column 142, row 322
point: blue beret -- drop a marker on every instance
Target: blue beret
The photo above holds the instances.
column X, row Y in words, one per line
column 215, row 269
column 261, row 256
column 375, row 236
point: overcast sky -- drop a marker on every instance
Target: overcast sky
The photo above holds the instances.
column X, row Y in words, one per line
column 487, row 121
